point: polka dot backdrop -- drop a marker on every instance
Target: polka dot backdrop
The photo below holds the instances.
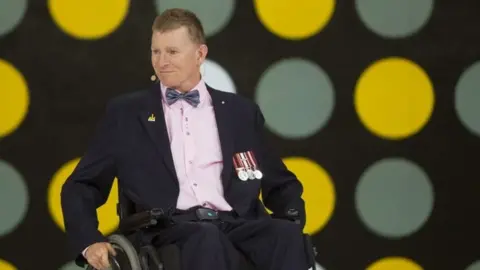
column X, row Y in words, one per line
column 4, row 265
column 373, row 105
column 394, row 263
column 13, row 103
column 11, row 14
column 88, row 19
column 394, row 98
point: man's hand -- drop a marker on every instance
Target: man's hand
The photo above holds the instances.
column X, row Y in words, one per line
column 97, row 255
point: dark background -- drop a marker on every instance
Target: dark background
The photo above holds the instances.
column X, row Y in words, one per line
column 70, row 81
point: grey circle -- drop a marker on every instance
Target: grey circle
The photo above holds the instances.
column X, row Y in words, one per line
column 11, row 14
column 213, row 14
column 296, row 97
column 467, row 98
column 474, row 266
column 394, row 197
column 13, row 198
column 71, row 266
column 394, row 18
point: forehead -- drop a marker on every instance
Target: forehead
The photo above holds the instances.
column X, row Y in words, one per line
column 176, row 37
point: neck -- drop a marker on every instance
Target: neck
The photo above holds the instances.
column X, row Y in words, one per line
column 188, row 84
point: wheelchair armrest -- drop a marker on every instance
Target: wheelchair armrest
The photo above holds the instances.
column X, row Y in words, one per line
column 141, row 220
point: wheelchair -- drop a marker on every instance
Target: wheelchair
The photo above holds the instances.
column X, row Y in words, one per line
column 132, row 254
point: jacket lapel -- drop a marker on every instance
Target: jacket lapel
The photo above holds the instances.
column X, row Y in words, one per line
column 153, row 120
column 221, row 107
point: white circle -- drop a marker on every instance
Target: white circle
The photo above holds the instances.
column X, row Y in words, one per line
column 258, row 174
column 217, row 77
column 243, row 175
column 318, row 266
column 251, row 175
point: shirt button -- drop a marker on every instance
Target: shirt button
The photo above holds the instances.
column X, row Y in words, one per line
column 186, row 119
column 195, row 184
column 190, row 162
column 188, row 133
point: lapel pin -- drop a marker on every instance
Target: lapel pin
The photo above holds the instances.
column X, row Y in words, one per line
column 151, row 118
column 223, row 102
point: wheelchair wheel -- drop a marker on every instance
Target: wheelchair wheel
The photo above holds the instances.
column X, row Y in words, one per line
column 127, row 257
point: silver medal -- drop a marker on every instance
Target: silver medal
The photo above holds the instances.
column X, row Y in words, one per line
column 258, row 174
column 243, row 175
column 251, row 174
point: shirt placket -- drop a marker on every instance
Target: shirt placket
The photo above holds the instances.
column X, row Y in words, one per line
column 189, row 150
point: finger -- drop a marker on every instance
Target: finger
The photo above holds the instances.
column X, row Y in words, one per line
column 111, row 250
column 91, row 261
column 104, row 260
column 99, row 264
column 96, row 262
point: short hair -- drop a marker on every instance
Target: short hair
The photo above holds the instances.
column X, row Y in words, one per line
column 175, row 18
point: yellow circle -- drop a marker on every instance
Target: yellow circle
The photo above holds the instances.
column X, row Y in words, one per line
column 14, row 98
column 318, row 191
column 394, row 98
column 394, row 263
column 4, row 265
column 107, row 213
column 88, row 19
column 294, row 19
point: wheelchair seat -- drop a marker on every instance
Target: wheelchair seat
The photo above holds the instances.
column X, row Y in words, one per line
column 134, row 255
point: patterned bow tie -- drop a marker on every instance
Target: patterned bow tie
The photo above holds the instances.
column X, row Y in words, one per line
column 192, row 97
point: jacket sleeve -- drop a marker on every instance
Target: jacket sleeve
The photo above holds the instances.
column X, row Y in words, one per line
column 281, row 190
column 88, row 187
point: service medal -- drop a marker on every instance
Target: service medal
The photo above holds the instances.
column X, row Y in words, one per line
column 243, row 175
column 251, row 174
column 258, row 174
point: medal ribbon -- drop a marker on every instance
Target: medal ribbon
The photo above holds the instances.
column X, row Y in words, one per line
column 252, row 160
column 245, row 160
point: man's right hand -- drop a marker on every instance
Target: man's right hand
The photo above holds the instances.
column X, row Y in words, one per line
column 97, row 255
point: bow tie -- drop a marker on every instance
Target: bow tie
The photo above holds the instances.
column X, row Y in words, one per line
column 192, row 97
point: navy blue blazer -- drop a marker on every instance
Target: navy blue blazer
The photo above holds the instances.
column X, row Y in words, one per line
column 137, row 151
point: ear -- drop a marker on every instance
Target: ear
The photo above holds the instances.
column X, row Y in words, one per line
column 202, row 53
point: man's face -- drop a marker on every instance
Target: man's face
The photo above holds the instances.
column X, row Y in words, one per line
column 176, row 59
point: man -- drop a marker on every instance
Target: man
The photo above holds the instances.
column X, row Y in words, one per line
column 183, row 145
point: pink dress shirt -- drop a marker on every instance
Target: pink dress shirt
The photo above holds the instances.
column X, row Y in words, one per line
column 196, row 151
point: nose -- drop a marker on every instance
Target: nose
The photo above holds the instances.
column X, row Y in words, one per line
column 160, row 60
